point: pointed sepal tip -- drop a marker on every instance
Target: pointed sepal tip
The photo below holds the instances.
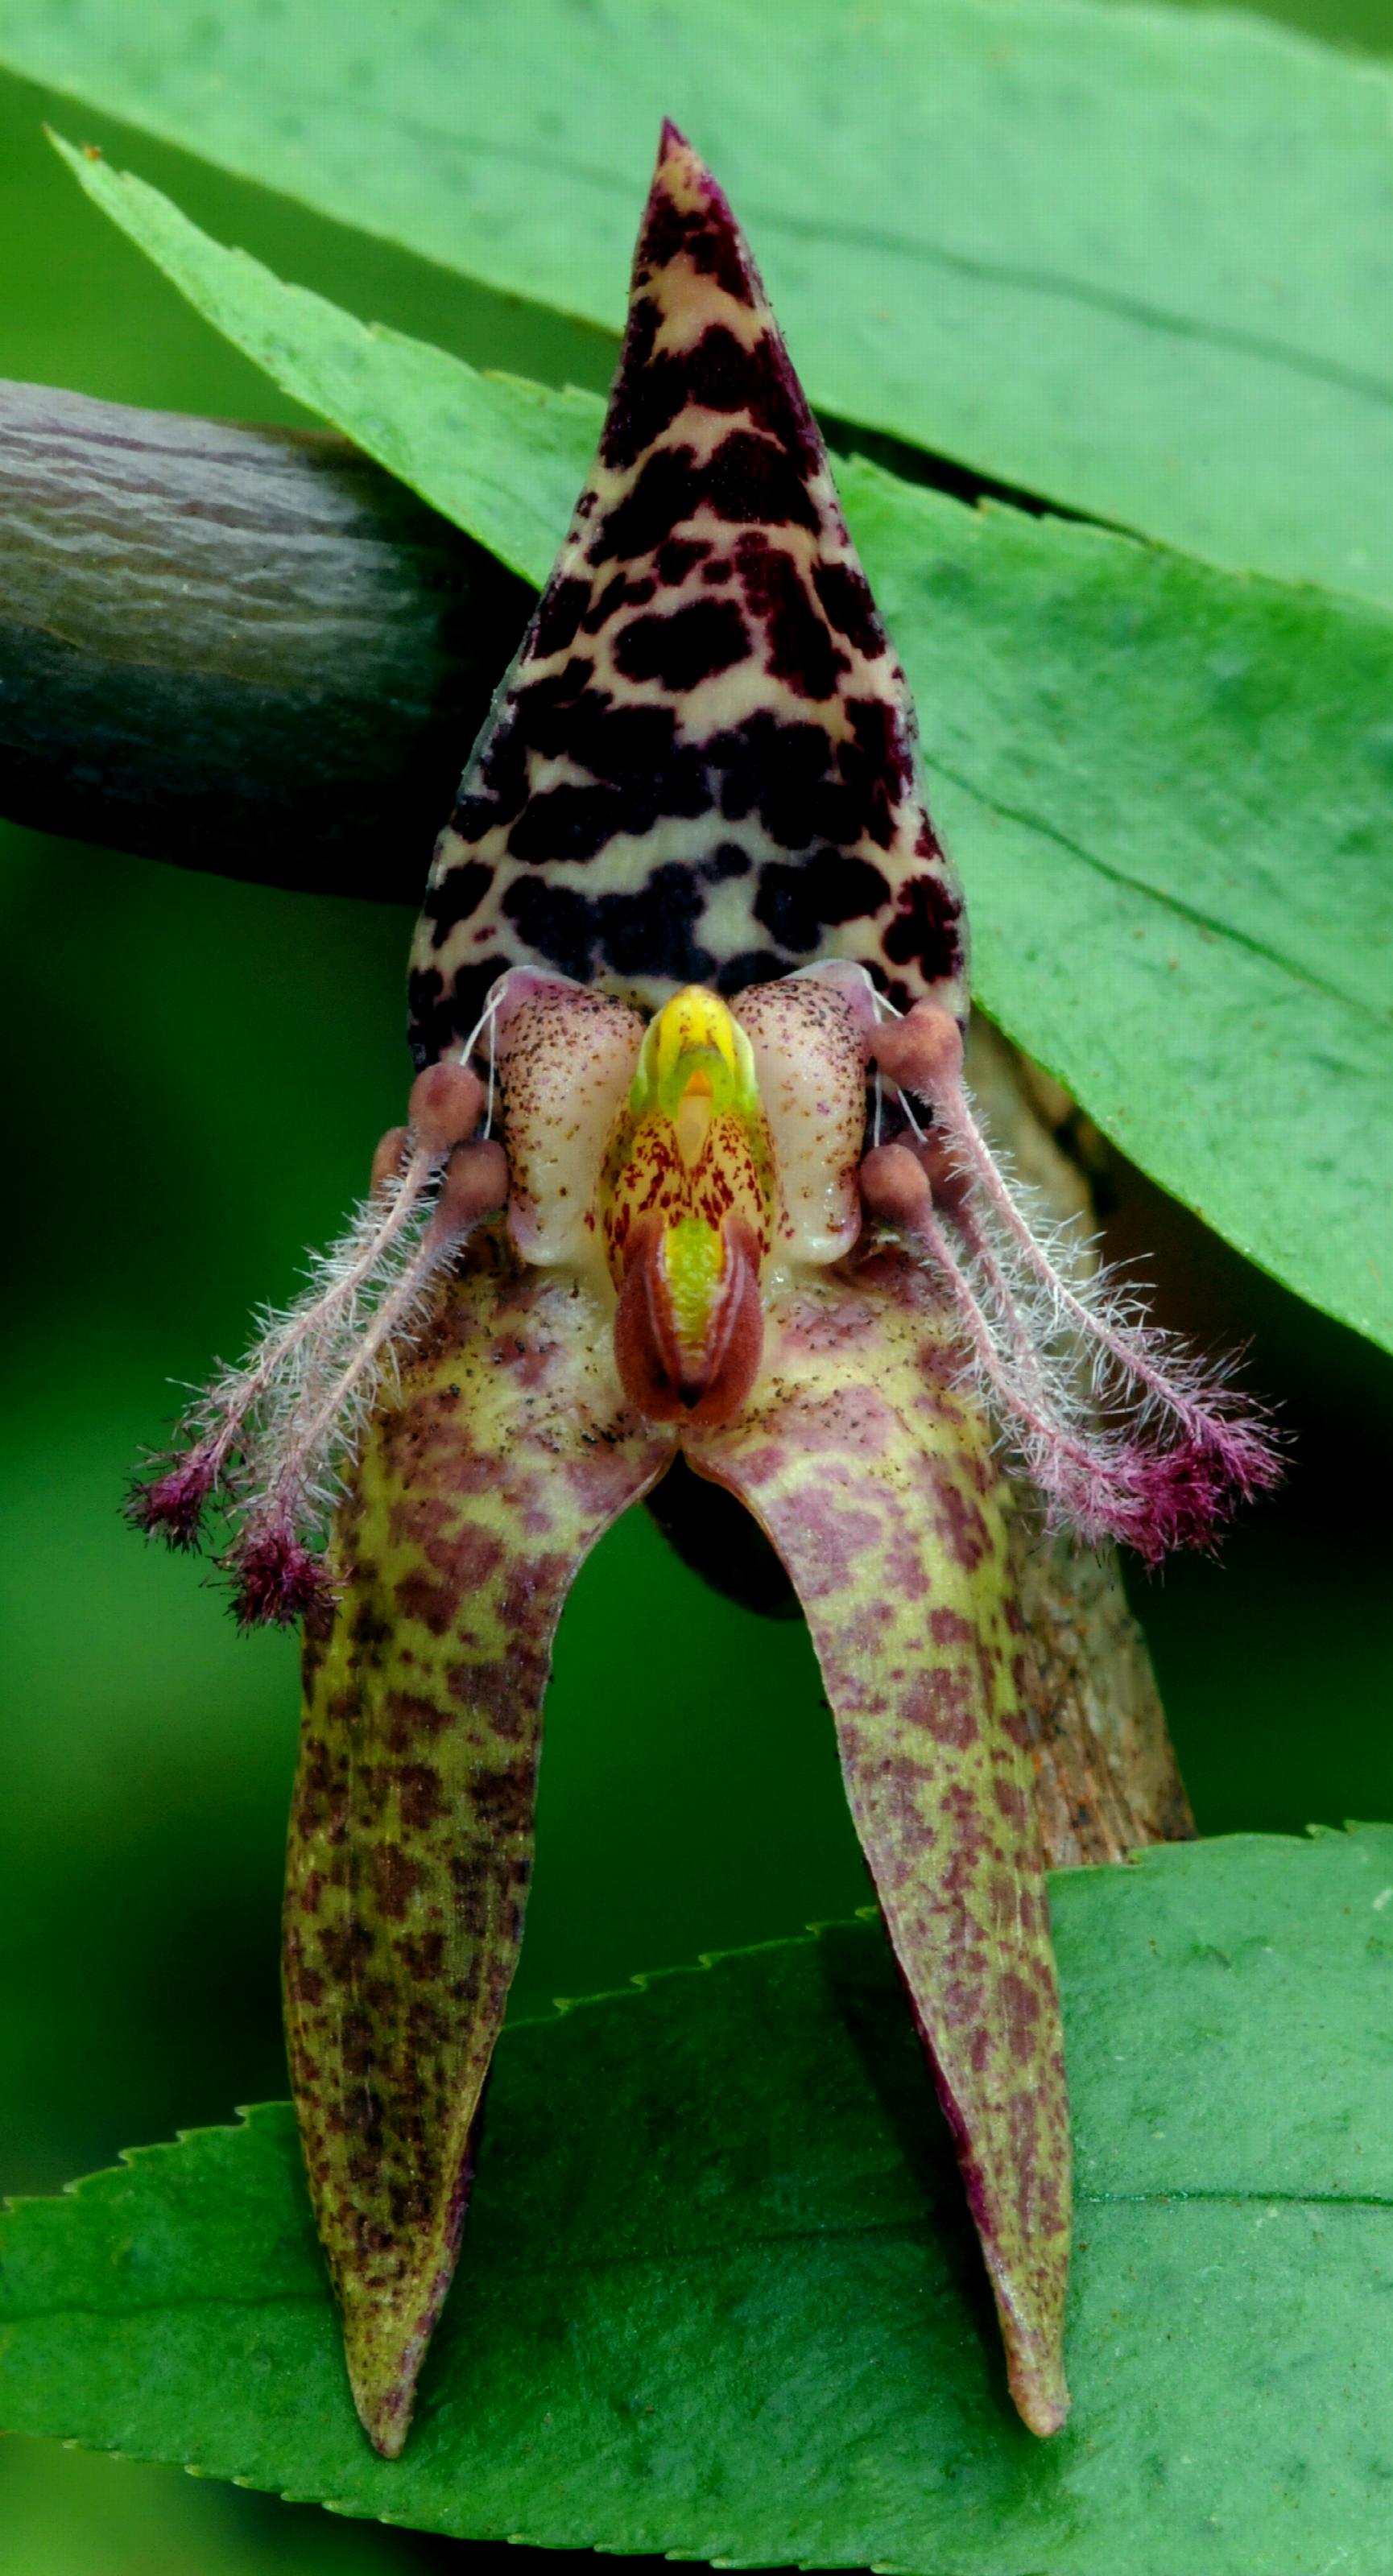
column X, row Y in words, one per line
column 384, row 2365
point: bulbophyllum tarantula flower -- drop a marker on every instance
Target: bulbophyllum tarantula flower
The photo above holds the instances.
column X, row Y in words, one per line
column 689, row 1170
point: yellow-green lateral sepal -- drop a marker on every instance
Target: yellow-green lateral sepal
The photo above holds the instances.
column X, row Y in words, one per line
column 478, row 1496
column 873, row 1474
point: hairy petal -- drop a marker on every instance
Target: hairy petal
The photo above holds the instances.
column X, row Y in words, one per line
column 809, row 1036
column 477, row 1498
column 565, row 1057
column 1125, row 1433
column 872, row 1472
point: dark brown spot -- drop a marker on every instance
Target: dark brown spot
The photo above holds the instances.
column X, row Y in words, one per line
column 846, row 597
column 687, row 646
column 795, row 902
column 800, row 647
column 558, row 618
column 398, row 1879
column 942, row 1700
column 949, row 1628
column 420, row 1793
column 925, row 928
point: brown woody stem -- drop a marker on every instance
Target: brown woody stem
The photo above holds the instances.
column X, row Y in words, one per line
column 236, row 648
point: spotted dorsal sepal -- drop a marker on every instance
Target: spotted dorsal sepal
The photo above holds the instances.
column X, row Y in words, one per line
column 702, row 766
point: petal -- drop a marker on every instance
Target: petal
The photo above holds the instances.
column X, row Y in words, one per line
column 809, row 1035
column 702, row 765
column 874, row 1478
column 477, row 1499
column 566, row 1058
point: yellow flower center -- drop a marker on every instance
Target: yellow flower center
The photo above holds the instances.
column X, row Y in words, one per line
column 686, row 1205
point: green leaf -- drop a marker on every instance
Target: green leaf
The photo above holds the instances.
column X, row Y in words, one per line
column 1137, row 263
column 1171, row 796
column 1170, row 790
column 503, row 458
column 718, row 2292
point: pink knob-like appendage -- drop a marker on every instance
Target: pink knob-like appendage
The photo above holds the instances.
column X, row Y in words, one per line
column 445, row 1106
column 475, row 1186
column 923, row 1052
column 895, row 1185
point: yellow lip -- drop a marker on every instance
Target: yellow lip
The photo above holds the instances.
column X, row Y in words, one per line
column 693, row 1257
column 687, row 1201
column 694, row 1048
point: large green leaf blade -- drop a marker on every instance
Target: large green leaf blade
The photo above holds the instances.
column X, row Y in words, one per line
column 1138, row 263
column 718, row 2292
column 1171, row 796
column 1170, row 791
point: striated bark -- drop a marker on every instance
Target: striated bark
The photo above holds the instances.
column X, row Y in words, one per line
column 241, row 649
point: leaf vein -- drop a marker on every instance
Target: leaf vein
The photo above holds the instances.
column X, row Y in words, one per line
column 597, row 2259
column 1159, row 895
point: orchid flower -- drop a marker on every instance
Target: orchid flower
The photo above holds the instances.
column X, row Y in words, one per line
column 689, row 1171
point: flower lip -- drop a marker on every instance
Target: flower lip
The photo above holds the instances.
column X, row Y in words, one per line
column 689, row 1325
column 688, row 1198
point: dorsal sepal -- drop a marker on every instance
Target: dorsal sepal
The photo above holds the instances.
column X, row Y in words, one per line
column 702, row 767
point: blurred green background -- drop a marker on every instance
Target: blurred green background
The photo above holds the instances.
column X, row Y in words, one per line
column 198, row 1072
